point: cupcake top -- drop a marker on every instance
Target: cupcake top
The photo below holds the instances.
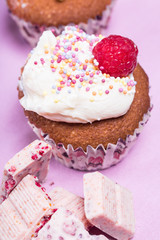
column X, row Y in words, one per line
column 62, row 81
column 57, row 12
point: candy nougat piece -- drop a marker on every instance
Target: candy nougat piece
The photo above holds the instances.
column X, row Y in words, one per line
column 63, row 198
column 33, row 159
column 65, row 225
column 22, row 211
column 108, row 206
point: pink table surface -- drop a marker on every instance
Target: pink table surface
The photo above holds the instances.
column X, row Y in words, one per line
column 140, row 170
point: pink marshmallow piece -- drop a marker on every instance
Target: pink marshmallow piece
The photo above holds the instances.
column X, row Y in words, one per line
column 108, row 206
column 33, row 159
column 63, row 198
column 22, row 211
column 65, row 225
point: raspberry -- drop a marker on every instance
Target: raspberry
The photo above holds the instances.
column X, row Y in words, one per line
column 116, row 55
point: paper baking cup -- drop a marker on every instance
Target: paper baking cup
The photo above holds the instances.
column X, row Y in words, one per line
column 32, row 33
column 93, row 158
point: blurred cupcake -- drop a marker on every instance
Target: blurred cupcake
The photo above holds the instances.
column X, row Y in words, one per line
column 86, row 96
column 35, row 16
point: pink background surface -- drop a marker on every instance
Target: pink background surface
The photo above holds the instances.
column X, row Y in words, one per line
column 140, row 170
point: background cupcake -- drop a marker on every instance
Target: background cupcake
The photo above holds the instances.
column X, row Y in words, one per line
column 84, row 95
column 33, row 17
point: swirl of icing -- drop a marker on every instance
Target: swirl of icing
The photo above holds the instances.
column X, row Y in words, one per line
column 61, row 81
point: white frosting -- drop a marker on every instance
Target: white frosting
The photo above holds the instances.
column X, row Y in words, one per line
column 86, row 101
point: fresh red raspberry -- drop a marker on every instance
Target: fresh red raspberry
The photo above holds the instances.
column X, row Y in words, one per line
column 116, row 55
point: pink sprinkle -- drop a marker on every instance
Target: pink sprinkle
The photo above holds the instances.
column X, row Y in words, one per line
column 97, row 72
column 81, row 79
column 70, row 65
column 35, row 63
column 73, row 55
column 120, row 89
column 91, row 74
column 76, row 49
column 53, row 69
column 69, row 47
column 68, row 84
column 59, row 60
column 52, row 61
column 90, row 81
column 59, row 88
column 84, row 67
column 103, row 80
column 53, row 30
column 82, row 75
column 73, row 81
column 106, row 92
column 58, row 46
column 77, row 76
column 87, row 89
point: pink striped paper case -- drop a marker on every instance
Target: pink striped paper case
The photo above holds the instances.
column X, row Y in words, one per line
column 94, row 158
column 32, row 33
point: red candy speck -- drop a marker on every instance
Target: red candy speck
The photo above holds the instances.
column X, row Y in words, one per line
column 41, row 152
column 12, row 169
column 34, row 156
column 10, row 183
column 116, row 55
column 54, row 210
column 37, row 184
column 70, row 228
column 43, row 189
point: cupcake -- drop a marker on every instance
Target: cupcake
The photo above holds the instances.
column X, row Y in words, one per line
column 35, row 16
column 86, row 95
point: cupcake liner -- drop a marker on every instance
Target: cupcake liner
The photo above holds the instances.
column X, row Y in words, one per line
column 31, row 33
column 93, row 158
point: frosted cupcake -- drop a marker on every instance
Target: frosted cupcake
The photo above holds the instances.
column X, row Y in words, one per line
column 85, row 95
column 35, row 16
